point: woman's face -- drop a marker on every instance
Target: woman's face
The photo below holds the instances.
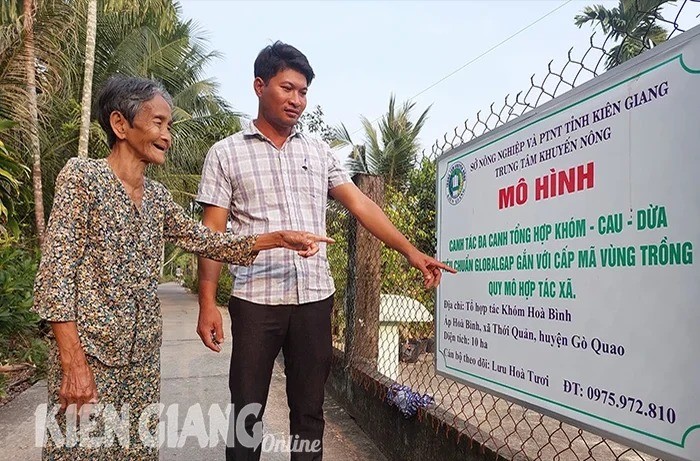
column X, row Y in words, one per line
column 148, row 137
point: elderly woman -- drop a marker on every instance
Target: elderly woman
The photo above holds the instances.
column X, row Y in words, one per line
column 98, row 277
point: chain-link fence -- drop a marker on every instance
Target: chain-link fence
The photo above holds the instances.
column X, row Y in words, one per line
column 383, row 318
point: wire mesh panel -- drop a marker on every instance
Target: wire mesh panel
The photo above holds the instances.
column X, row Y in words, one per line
column 383, row 318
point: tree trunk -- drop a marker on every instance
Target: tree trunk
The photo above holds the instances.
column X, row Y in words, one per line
column 33, row 121
column 90, row 39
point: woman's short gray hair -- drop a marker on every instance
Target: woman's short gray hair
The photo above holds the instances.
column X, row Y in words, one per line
column 126, row 95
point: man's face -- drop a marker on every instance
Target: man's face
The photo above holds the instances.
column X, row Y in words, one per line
column 149, row 135
column 283, row 98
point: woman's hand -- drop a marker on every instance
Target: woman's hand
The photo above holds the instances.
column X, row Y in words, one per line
column 77, row 382
column 305, row 243
column 77, row 387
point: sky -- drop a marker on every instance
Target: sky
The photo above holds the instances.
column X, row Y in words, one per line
column 363, row 51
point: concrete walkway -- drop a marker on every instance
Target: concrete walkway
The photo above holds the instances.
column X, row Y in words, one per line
column 191, row 374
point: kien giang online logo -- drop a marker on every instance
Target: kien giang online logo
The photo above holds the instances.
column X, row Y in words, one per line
column 100, row 426
column 456, row 182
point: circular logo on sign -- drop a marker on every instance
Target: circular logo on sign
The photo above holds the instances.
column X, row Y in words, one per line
column 456, row 183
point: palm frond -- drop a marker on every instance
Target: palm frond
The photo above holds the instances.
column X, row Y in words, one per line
column 633, row 23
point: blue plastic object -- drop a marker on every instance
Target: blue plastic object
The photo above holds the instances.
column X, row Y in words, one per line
column 407, row 401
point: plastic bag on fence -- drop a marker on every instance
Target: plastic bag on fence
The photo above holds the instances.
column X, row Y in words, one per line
column 406, row 400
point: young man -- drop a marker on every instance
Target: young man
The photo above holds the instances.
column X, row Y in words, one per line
column 266, row 177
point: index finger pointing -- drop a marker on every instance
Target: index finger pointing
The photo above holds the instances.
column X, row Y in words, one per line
column 445, row 267
column 321, row 238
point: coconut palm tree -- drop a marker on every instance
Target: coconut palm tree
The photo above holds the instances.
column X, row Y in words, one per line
column 390, row 151
column 164, row 9
column 33, row 119
column 137, row 41
column 86, row 104
column 35, row 66
column 177, row 58
column 633, row 23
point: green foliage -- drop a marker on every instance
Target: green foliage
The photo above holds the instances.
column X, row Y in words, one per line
column 389, row 152
column 175, row 257
column 337, row 254
column 191, row 283
column 31, row 349
column 634, row 22
column 17, row 271
column 413, row 213
column 13, row 187
column 312, row 121
column 421, row 189
column 167, row 278
column 20, row 340
column 56, row 38
column 134, row 37
column 398, row 277
column 24, row 349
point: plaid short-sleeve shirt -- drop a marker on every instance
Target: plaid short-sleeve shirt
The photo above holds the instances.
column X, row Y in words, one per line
column 268, row 189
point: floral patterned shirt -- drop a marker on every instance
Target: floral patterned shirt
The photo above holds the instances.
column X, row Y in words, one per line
column 101, row 259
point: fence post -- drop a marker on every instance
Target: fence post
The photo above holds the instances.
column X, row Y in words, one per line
column 364, row 281
column 350, row 288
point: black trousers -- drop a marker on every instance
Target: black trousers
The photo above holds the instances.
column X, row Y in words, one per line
column 303, row 333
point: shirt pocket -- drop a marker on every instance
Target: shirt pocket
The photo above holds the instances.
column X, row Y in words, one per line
column 313, row 180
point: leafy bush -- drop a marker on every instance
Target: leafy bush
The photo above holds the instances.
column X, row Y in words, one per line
column 20, row 335
column 17, row 271
column 191, row 283
column 167, row 278
column 337, row 253
column 28, row 348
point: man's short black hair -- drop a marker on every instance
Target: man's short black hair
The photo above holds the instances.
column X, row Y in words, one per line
column 278, row 57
